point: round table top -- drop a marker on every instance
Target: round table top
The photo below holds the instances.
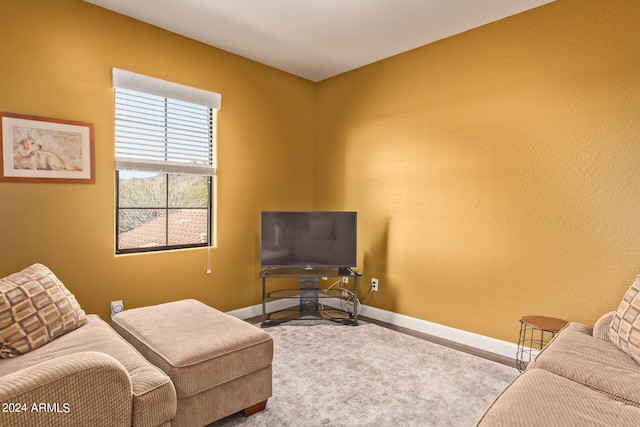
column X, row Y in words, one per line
column 545, row 323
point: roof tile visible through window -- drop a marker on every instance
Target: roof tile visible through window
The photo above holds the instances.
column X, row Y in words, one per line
column 187, row 226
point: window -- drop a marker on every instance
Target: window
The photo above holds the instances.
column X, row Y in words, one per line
column 165, row 140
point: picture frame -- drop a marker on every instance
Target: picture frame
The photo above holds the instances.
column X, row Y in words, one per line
column 41, row 149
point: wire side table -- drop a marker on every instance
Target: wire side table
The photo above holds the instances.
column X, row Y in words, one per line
column 535, row 333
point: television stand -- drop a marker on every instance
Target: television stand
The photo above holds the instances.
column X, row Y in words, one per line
column 309, row 301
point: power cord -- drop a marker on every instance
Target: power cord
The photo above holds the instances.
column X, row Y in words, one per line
column 347, row 304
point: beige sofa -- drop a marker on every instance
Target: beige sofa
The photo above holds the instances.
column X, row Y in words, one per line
column 60, row 367
column 89, row 377
column 583, row 377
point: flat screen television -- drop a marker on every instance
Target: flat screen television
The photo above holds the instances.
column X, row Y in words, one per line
column 308, row 239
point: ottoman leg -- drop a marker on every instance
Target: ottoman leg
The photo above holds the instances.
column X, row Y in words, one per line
column 255, row 408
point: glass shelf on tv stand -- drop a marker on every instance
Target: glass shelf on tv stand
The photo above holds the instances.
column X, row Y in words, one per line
column 312, row 301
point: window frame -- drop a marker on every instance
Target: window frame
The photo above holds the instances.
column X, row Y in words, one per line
column 170, row 92
column 166, row 209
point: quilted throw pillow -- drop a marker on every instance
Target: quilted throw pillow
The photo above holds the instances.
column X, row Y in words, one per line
column 625, row 326
column 35, row 308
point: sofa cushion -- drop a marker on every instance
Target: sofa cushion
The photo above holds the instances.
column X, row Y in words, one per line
column 576, row 355
column 602, row 327
column 625, row 326
column 35, row 308
column 540, row 398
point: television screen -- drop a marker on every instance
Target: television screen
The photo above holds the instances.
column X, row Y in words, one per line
column 308, row 239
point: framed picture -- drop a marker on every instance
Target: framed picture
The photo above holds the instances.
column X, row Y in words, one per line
column 39, row 149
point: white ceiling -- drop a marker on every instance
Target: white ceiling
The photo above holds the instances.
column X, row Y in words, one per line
column 317, row 39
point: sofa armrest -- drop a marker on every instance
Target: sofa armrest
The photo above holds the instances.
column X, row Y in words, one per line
column 601, row 328
column 85, row 388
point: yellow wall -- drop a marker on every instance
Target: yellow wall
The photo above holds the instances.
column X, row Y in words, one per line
column 56, row 59
column 496, row 172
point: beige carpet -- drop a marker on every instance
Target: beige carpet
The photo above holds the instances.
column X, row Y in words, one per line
column 335, row 375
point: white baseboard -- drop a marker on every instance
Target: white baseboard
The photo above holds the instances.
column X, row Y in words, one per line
column 482, row 342
column 459, row 336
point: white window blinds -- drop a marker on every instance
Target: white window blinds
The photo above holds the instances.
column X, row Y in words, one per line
column 162, row 126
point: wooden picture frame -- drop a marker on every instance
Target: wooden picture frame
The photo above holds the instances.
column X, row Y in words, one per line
column 40, row 149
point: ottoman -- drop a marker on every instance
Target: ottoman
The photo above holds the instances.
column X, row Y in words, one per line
column 218, row 364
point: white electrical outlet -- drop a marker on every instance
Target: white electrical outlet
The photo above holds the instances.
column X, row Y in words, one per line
column 345, row 279
column 374, row 284
column 116, row 307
